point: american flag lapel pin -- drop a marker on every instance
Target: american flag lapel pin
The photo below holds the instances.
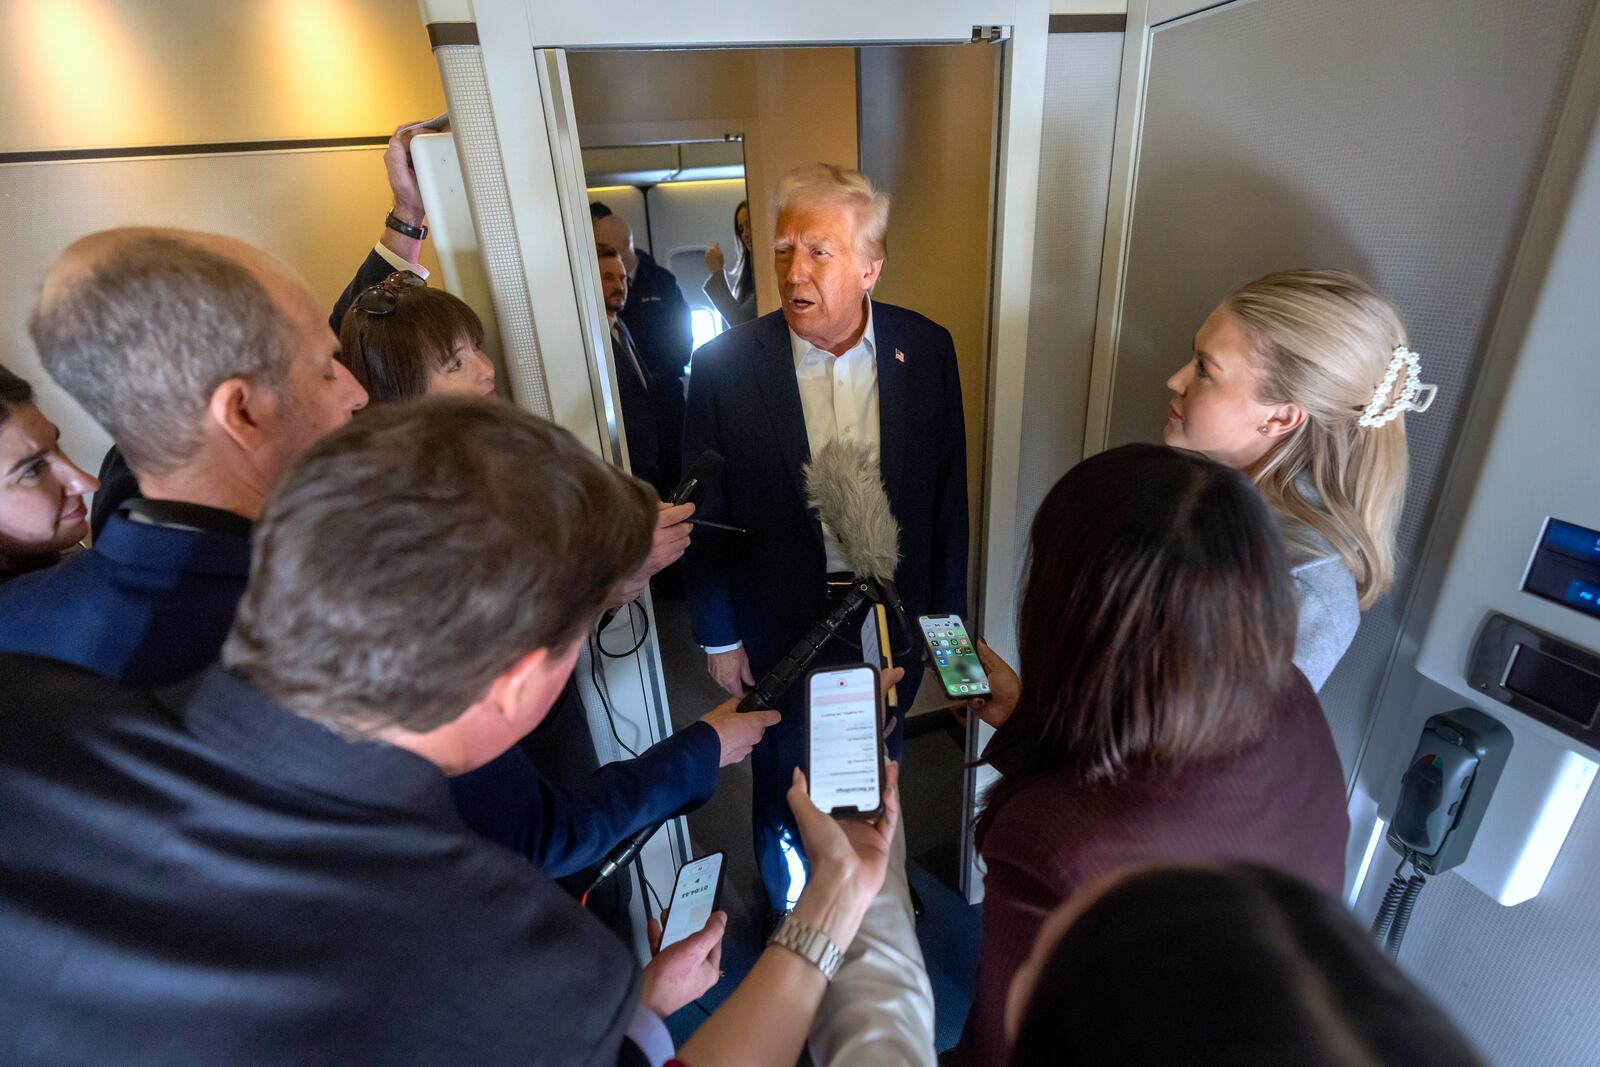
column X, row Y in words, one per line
column 899, row 356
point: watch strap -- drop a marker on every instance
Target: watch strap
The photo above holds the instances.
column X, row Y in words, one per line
column 401, row 226
column 810, row 944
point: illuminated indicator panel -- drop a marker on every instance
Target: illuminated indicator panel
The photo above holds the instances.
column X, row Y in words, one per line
column 1566, row 567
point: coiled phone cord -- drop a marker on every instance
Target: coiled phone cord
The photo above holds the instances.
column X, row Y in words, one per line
column 1394, row 914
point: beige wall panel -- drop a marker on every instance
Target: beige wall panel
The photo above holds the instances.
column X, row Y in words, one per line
column 928, row 139
column 616, row 88
column 104, row 73
column 793, row 105
column 320, row 211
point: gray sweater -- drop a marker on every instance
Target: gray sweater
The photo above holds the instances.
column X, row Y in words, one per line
column 1330, row 611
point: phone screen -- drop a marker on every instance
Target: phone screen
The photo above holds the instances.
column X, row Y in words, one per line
column 844, row 758
column 694, row 898
column 960, row 671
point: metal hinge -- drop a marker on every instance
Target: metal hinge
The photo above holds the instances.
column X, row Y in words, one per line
column 991, row 33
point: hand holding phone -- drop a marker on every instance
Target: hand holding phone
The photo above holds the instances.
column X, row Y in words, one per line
column 844, row 741
column 694, row 898
column 954, row 659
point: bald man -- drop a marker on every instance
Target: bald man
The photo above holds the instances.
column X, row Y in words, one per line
column 212, row 367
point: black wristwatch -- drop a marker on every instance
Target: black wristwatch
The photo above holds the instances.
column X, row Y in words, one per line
column 401, row 226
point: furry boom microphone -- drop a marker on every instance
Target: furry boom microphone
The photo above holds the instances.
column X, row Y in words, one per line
column 845, row 490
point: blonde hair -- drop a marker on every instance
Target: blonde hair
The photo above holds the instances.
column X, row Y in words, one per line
column 1322, row 341
column 831, row 183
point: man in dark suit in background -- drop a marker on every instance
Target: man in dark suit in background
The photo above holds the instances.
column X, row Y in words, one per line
column 657, row 317
column 636, row 386
column 832, row 363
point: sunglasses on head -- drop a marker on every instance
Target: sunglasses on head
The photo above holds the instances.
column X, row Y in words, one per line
column 383, row 298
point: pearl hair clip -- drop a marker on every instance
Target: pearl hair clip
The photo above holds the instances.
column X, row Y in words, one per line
column 1413, row 397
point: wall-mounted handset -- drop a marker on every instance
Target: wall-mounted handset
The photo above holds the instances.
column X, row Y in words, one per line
column 1443, row 795
column 1446, row 788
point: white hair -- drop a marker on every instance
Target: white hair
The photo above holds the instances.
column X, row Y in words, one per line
column 831, row 183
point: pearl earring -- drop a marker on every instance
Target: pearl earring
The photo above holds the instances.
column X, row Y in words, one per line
column 1262, row 429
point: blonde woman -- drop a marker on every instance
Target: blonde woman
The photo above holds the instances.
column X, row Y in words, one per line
column 1301, row 380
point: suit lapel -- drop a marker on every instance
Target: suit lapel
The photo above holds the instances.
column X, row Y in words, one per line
column 774, row 369
column 893, row 396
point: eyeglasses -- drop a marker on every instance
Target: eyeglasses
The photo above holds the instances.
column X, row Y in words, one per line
column 383, row 298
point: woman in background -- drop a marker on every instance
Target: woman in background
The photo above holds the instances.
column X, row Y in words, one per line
column 403, row 340
column 1301, row 380
column 42, row 511
column 1160, row 718
column 1186, row 966
column 735, row 303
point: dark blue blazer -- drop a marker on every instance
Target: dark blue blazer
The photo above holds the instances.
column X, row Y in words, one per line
column 147, row 606
column 568, row 827
column 232, row 884
column 765, row 587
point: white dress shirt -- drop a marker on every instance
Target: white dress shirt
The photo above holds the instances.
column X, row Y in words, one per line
column 398, row 262
column 839, row 396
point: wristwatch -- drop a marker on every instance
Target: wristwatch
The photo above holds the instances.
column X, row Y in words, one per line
column 810, row 944
column 400, row 226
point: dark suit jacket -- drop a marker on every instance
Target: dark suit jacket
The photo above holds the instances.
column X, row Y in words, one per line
column 765, row 587
column 235, row 884
column 636, row 397
column 147, row 606
column 117, row 483
column 566, row 827
column 1279, row 802
column 657, row 316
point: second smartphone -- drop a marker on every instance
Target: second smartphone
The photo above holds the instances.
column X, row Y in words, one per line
column 844, row 743
column 954, row 657
column 694, row 898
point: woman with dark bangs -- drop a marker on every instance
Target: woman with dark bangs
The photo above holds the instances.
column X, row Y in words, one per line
column 403, row 340
column 1161, row 718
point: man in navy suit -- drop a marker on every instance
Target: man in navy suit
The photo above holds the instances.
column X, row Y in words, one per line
column 767, row 395
column 656, row 317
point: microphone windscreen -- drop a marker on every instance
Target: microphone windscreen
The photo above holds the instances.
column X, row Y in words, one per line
column 844, row 487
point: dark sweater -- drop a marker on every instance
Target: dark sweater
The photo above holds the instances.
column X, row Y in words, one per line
column 234, row 884
column 1279, row 802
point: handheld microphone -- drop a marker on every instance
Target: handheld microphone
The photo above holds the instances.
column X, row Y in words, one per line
column 620, row 857
column 846, row 491
column 707, row 467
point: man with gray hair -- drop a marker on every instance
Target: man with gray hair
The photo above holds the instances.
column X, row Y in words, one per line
column 832, row 364
column 212, row 367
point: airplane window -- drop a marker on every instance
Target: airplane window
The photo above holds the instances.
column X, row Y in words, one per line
column 706, row 325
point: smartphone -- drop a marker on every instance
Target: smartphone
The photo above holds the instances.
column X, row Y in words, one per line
column 694, row 898
column 954, row 657
column 844, row 744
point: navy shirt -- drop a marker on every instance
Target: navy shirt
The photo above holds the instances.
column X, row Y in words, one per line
column 234, row 884
column 147, row 606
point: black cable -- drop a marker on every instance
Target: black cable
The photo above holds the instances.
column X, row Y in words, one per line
column 644, row 618
column 1391, row 903
column 1402, row 915
column 605, row 699
column 638, row 866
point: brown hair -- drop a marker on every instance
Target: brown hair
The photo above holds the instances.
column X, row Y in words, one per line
column 414, row 555
column 1322, row 340
column 1157, row 623
column 15, row 393
column 1244, row 964
column 392, row 354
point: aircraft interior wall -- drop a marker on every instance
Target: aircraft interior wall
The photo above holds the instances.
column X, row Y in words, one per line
column 108, row 123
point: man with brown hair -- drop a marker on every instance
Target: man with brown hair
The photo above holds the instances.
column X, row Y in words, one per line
column 280, row 872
